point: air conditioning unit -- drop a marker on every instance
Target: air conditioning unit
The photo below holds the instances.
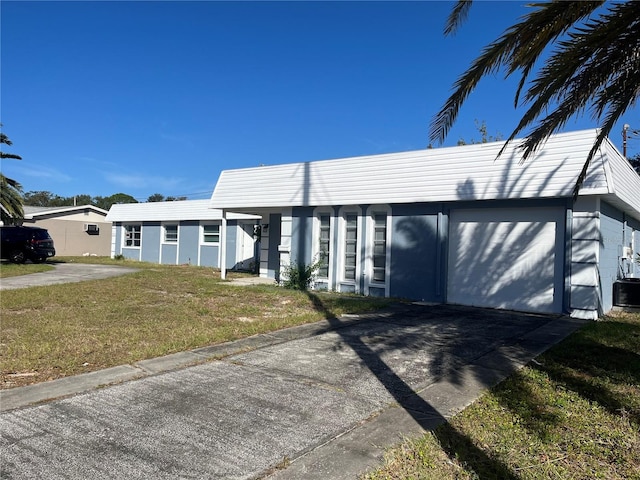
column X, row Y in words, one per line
column 91, row 228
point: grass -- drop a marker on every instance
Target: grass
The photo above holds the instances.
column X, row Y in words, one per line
column 574, row 414
column 15, row 269
column 54, row 331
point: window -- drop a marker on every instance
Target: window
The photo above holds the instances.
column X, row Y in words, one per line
column 132, row 235
column 379, row 247
column 324, row 245
column 211, row 234
column 171, row 233
column 350, row 246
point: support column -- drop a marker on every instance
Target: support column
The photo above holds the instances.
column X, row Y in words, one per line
column 223, row 246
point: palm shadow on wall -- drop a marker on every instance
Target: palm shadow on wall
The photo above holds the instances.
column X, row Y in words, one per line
column 445, row 343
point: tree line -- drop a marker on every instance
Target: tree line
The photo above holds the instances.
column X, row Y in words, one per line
column 49, row 199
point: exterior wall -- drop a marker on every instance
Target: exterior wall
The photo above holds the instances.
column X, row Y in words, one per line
column 270, row 247
column 416, row 252
column 69, row 236
column 188, row 244
column 189, row 249
column 618, row 250
column 635, row 243
column 631, row 266
column 417, row 245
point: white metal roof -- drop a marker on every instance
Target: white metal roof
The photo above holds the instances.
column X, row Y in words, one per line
column 169, row 211
column 31, row 212
column 469, row 172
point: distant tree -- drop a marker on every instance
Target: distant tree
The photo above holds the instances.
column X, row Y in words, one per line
column 42, row 198
column 593, row 63
column 10, row 190
column 106, row 202
column 635, row 163
column 156, row 197
column 484, row 135
column 174, row 199
column 81, row 199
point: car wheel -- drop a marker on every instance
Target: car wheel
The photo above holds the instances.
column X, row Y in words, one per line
column 17, row 256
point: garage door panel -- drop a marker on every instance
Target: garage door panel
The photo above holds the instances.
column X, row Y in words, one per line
column 504, row 258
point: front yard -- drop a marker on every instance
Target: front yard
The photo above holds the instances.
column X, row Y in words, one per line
column 60, row 330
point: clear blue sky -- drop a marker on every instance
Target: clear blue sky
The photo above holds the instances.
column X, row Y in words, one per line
column 160, row 97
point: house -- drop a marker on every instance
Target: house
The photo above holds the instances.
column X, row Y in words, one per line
column 182, row 232
column 76, row 230
column 457, row 225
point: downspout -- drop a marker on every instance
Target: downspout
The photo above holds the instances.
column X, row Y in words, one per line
column 223, row 246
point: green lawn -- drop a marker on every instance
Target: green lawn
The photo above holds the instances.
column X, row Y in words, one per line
column 16, row 269
column 55, row 331
column 574, row 413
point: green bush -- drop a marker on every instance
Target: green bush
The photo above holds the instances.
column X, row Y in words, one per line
column 298, row 276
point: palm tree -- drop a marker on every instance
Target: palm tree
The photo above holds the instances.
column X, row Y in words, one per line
column 595, row 65
column 10, row 190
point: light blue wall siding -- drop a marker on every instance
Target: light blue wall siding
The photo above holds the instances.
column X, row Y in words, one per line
column 302, row 235
column 209, row 256
column 635, row 227
column 232, row 243
column 188, row 239
column 273, row 261
column 151, row 235
column 169, row 253
column 611, row 238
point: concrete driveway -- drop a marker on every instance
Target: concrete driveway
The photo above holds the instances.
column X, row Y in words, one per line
column 65, row 273
column 320, row 401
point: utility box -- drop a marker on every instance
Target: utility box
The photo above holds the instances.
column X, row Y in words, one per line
column 626, row 293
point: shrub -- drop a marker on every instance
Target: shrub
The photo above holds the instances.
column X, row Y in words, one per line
column 298, row 276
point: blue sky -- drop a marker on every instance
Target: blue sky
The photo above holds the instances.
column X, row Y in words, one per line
column 160, row 97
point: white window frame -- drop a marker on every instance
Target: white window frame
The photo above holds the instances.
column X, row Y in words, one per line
column 369, row 280
column 202, row 233
column 341, row 250
column 164, row 234
column 317, row 213
column 124, row 235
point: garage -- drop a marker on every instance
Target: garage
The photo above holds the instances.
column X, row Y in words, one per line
column 509, row 258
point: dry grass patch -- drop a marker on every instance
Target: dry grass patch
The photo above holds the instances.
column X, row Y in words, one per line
column 60, row 330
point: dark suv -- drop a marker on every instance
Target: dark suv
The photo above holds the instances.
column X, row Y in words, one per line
column 18, row 244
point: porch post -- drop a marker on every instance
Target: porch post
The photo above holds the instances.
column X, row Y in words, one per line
column 223, row 246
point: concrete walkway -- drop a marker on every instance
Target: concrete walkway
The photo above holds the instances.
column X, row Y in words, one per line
column 320, row 401
column 65, row 273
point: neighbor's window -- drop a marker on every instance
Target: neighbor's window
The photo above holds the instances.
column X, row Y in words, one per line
column 132, row 235
column 324, row 245
column 379, row 246
column 211, row 233
column 350, row 246
column 171, row 233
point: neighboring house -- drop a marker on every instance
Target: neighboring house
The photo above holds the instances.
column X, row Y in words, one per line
column 76, row 230
column 454, row 225
column 182, row 232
